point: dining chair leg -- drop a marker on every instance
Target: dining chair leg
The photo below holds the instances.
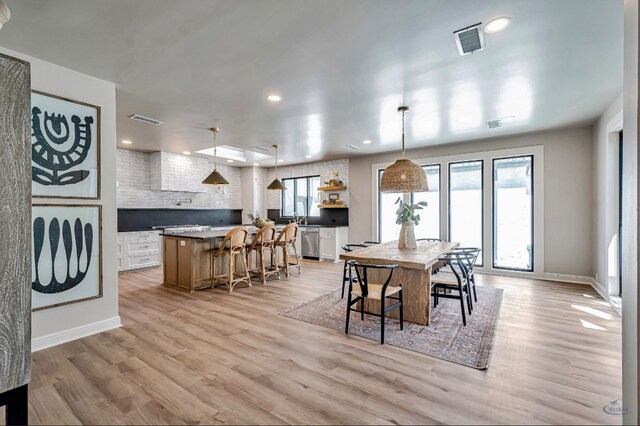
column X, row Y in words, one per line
column 346, row 324
column 464, row 318
column 401, row 309
column 344, row 279
column 475, row 295
column 382, row 320
column 469, row 301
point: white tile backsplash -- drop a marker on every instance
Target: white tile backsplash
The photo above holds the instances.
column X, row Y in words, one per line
column 139, row 172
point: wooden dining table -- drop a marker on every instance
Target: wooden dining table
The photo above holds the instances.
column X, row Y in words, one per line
column 413, row 272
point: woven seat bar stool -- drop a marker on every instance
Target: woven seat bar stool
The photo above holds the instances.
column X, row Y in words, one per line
column 263, row 243
column 232, row 246
column 287, row 242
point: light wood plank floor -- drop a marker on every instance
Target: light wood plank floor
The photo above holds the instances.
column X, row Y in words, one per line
column 211, row 357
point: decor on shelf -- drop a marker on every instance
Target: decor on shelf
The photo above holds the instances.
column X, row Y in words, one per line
column 276, row 185
column 5, row 14
column 258, row 221
column 65, row 148
column 333, row 198
column 67, row 259
column 215, row 178
column 403, row 175
column 335, row 180
column 407, row 217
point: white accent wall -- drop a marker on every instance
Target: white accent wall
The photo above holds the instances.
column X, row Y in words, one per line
column 57, row 325
column 161, row 179
column 322, row 168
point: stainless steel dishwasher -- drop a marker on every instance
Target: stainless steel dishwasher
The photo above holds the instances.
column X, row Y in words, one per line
column 310, row 242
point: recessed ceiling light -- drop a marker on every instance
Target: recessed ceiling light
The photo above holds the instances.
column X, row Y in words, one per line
column 127, row 142
column 274, row 98
column 366, row 142
column 186, row 152
column 229, row 161
column 307, row 156
column 498, row 24
column 256, row 164
column 280, row 161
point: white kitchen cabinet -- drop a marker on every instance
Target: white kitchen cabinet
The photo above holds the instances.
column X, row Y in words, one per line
column 331, row 242
column 137, row 250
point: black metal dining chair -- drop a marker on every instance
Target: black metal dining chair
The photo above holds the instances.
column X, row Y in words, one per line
column 363, row 289
column 471, row 262
column 347, row 249
column 370, row 243
column 454, row 285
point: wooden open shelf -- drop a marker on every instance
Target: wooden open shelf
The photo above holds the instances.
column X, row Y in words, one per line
column 333, row 206
column 332, row 188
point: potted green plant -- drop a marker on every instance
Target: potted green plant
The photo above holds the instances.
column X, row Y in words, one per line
column 407, row 217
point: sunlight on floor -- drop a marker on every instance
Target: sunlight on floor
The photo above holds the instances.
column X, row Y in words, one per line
column 592, row 311
column 592, row 326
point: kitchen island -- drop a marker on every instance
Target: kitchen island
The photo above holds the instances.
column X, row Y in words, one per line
column 187, row 257
column 414, row 273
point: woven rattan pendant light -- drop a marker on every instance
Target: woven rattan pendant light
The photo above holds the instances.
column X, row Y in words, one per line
column 215, row 178
column 403, row 175
column 276, row 185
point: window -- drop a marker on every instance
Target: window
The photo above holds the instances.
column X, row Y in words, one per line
column 429, row 226
column 465, row 204
column 513, row 213
column 387, row 228
column 301, row 196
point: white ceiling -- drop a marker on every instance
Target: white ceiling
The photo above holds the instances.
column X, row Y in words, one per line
column 341, row 66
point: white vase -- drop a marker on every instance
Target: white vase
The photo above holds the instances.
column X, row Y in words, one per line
column 407, row 238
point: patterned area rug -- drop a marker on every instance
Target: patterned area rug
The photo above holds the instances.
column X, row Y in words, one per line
column 445, row 338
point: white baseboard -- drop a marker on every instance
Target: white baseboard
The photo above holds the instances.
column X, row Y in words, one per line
column 65, row 336
column 546, row 276
column 603, row 292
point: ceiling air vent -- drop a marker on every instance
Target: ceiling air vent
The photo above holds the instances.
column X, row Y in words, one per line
column 146, row 120
column 259, row 148
column 352, row 147
column 494, row 124
column 469, row 39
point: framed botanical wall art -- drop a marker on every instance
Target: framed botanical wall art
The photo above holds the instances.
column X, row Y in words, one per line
column 65, row 147
column 66, row 261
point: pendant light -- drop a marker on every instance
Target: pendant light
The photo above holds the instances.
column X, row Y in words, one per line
column 403, row 175
column 276, row 185
column 215, row 178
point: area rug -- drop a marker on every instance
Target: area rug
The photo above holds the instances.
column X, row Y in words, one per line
column 445, row 338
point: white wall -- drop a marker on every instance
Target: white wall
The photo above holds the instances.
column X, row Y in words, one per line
column 630, row 222
column 605, row 200
column 567, row 199
column 135, row 183
column 55, row 325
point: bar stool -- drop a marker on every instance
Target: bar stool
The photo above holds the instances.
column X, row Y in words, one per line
column 263, row 242
column 287, row 241
column 362, row 289
column 345, row 276
column 234, row 244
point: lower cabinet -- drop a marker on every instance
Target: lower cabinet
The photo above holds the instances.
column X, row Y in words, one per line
column 137, row 250
column 331, row 242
